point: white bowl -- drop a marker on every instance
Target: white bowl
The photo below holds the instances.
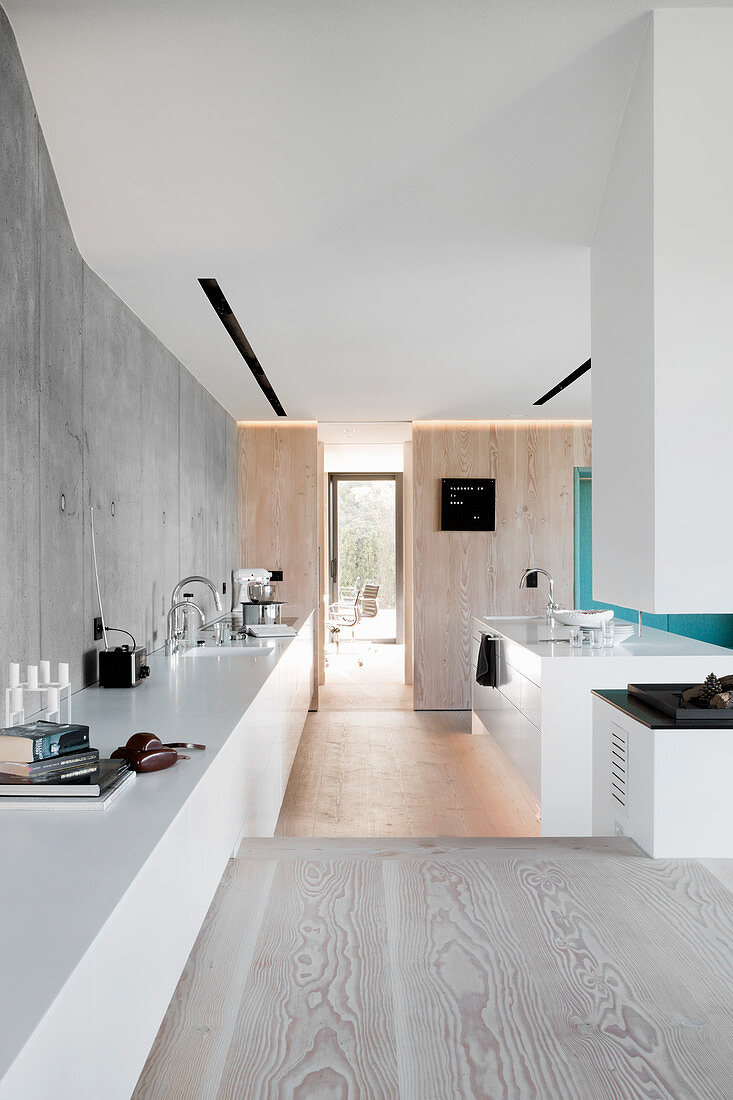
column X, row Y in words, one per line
column 581, row 618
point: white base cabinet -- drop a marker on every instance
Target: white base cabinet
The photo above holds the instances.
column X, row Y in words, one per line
column 126, row 890
column 541, row 714
column 511, row 712
column 667, row 789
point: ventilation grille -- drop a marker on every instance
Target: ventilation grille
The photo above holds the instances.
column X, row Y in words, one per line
column 619, row 767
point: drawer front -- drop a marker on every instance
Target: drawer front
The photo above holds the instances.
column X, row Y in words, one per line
column 531, row 756
column 526, row 663
column 501, row 718
column 512, row 715
column 531, row 702
column 510, row 683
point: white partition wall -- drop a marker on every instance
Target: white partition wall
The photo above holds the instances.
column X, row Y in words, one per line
column 662, row 328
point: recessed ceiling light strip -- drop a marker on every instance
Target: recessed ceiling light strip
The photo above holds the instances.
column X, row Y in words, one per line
column 573, row 377
column 214, row 293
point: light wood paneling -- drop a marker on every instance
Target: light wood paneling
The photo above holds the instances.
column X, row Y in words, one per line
column 323, row 562
column 408, row 510
column 557, row 969
column 459, row 574
column 278, row 506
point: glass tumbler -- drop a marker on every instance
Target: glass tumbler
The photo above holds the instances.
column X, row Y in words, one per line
column 609, row 633
column 576, row 637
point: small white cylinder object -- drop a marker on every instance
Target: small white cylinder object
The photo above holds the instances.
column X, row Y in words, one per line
column 33, row 677
column 63, row 674
column 52, row 699
column 45, row 672
column 17, row 699
column 14, row 674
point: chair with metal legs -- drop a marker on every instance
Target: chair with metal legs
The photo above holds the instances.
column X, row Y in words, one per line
column 344, row 614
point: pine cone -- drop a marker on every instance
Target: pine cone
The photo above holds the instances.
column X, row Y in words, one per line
column 710, row 689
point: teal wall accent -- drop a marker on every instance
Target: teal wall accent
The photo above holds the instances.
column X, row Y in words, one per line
column 716, row 629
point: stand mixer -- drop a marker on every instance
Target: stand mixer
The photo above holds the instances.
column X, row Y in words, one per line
column 255, row 592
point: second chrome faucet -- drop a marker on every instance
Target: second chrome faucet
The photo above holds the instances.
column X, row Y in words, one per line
column 551, row 605
column 175, row 633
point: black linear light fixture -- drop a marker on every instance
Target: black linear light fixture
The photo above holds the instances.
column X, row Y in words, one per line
column 572, row 377
column 214, row 293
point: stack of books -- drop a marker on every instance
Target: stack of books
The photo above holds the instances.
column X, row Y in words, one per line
column 48, row 763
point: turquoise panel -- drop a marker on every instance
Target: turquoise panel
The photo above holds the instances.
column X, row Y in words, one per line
column 717, row 629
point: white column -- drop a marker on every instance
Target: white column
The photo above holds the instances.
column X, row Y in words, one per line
column 662, row 328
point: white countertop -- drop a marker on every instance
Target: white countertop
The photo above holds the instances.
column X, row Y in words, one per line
column 63, row 872
column 535, row 635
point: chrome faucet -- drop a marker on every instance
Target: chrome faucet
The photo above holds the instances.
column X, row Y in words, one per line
column 173, row 633
column 196, row 580
column 551, row 605
column 176, row 597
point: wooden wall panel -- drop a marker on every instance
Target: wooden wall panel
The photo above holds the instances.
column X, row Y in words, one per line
column 459, row 574
column 278, row 506
column 323, row 574
column 407, row 542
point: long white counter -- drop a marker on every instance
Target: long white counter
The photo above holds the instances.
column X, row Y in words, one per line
column 542, row 716
column 100, row 909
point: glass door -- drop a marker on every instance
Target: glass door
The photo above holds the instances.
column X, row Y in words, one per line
column 366, row 552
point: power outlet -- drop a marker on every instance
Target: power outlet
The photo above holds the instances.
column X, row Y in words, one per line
column 98, row 632
column 532, row 580
column 277, row 574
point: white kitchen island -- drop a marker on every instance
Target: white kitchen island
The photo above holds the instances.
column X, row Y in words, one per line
column 541, row 714
column 100, row 908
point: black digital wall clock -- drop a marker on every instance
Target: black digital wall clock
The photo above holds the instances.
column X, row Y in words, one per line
column 468, row 504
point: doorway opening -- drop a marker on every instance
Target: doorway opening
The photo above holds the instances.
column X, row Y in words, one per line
column 365, row 623
column 365, row 556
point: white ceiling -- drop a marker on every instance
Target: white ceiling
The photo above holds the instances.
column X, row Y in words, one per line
column 365, row 433
column 397, row 197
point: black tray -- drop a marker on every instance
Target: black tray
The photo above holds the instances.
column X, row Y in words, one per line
column 667, row 698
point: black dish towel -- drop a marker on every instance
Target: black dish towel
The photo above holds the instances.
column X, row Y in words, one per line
column 487, row 666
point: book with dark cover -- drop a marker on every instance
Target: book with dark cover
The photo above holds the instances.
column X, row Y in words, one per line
column 89, row 785
column 93, row 804
column 41, row 741
column 53, row 765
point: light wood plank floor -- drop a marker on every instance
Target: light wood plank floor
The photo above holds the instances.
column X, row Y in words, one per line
column 369, row 766
column 419, row 970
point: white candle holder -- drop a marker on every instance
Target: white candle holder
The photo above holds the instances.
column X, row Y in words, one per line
column 53, row 693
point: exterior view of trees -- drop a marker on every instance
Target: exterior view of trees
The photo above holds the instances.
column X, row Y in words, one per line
column 366, row 536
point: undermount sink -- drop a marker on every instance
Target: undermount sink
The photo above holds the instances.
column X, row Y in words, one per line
column 515, row 618
column 229, row 651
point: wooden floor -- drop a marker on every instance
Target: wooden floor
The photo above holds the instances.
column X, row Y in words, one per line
column 368, row 765
column 424, row 970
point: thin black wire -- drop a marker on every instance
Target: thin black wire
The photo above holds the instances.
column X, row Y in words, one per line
column 119, row 630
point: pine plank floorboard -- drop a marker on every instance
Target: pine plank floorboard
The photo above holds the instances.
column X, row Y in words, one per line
column 369, row 765
column 425, row 969
column 192, row 1047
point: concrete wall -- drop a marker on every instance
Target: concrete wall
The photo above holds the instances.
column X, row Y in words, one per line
column 95, row 409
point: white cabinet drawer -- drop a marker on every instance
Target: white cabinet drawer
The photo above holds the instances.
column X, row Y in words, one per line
column 531, row 756
column 531, row 702
column 510, row 683
column 512, row 715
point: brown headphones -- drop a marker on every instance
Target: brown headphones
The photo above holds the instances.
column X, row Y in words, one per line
column 145, row 752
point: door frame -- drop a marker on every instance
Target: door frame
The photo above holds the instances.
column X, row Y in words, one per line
column 333, row 480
